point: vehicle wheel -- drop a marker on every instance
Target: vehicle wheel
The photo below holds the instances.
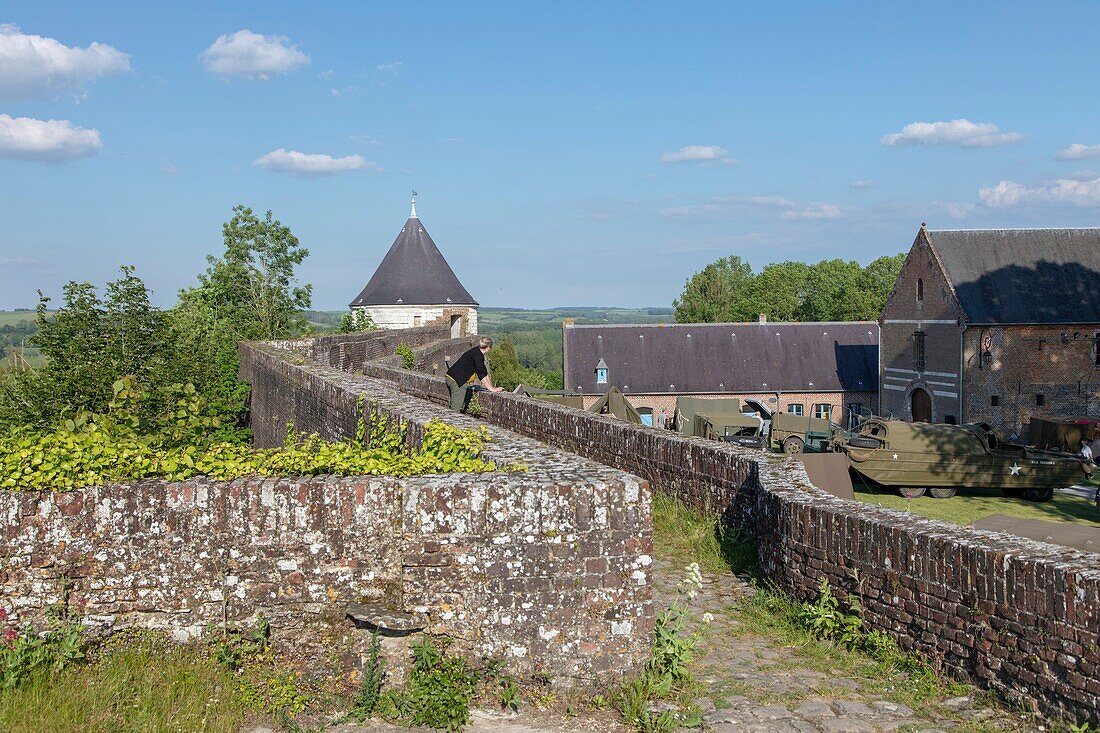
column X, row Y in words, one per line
column 793, row 445
column 942, row 492
column 912, row 492
column 863, row 442
column 1038, row 494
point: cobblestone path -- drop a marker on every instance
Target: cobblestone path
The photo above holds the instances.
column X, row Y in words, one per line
column 752, row 681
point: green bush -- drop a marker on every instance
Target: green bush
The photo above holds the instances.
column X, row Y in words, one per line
column 117, row 445
column 408, row 358
column 24, row 654
column 440, row 689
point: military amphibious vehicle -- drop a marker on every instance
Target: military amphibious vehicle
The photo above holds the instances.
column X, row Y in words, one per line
column 919, row 457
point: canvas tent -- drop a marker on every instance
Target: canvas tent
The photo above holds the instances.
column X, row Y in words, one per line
column 616, row 404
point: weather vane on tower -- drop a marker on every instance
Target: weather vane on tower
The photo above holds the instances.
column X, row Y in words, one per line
column 412, row 214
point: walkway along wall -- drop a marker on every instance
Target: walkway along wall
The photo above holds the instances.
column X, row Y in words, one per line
column 1020, row 617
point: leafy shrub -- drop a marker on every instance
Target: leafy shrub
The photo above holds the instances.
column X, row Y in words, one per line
column 357, row 321
column 408, row 358
column 825, row 619
column 24, row 654
column 94, row 449
column 440, row 689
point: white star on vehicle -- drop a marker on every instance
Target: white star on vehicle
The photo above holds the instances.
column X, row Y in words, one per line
column 1014, row 469
column 895, row 456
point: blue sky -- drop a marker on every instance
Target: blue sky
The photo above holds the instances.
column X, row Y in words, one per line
column 565, row 154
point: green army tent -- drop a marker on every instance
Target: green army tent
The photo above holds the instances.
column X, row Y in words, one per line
column 615, row 403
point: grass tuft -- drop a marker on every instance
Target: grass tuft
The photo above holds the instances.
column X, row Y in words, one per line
column 684, row 536
column 143, row 688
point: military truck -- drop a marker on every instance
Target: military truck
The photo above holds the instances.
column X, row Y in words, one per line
column 917, row 457
column 719, row 419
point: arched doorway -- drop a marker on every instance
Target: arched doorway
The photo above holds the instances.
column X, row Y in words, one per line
column 922, row 405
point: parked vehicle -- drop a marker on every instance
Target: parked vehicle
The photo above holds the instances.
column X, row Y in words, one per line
column 794, row 434
column 918, row 457
column 719, row 419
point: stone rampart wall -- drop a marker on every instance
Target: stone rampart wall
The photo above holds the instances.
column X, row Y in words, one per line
column 1021, row 617
column 546, row 569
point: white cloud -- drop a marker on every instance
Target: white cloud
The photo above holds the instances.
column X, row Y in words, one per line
column 364, row 139
column 312, row 164
column 32, row 65
column 813, row 212
column 245, row 53
column 344, row 91
column 698, row 154
column 767, row 201
column 391, row 68
column 17, row 261
column 864, row 184
column 958, row 211
column 964, row 133
column 1085, row 175
column 169, row 169
column 50, row 140
column 1077, row 151
column 1058, row 191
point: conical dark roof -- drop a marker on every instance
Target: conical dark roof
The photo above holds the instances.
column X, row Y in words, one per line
column 413, row 272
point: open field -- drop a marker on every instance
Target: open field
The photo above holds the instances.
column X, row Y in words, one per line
column 970, row 505
column 12, row 318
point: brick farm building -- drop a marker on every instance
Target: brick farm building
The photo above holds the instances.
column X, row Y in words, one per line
column 820, row 369
column 994, row 326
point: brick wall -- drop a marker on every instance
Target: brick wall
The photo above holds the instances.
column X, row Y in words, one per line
column 1016, row 616
column 1025, row 361
column 1020, row 617
column 938, row 315
column 545, row 569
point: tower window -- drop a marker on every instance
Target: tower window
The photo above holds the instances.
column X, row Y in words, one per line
column 601, row 376
column 1040, row 400
column 995, row 400
column 920, row 289
column 918, row 350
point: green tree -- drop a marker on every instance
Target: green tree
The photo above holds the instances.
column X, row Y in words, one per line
column 249, row 293
column 508, row 372
column 874, row 285
column 829, row 288
column 88, row 344
column 716, row 293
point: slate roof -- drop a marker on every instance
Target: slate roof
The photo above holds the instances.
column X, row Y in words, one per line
column 414, row 272
column 1004, row 276
column 706, row 358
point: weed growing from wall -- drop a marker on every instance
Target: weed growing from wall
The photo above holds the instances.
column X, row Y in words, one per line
column 408, row 358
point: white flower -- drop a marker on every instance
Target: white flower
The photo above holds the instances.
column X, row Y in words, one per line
column 708, row 617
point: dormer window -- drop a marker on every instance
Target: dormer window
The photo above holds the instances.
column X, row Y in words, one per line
column 920, row 289
column 601, row 372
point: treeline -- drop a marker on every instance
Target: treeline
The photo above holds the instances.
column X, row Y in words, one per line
column 95, row 339
column 831, row 290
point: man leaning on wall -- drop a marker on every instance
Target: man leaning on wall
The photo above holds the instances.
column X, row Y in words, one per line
column 460, row 376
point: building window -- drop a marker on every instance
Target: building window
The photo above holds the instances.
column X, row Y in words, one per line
column 1096, row 350
column 950, row 420
column 1040, row 400
column 795, row 409
column 918, row 350
column 995, row 400
column 920, row 290
column 601, row 376
column 823, row 410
